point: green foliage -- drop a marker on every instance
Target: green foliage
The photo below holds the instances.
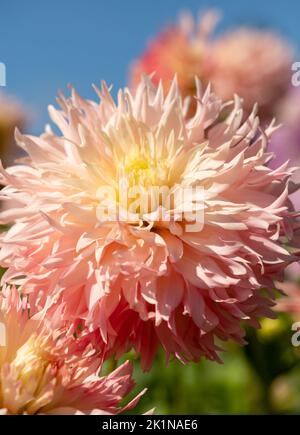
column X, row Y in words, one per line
column 262, row 378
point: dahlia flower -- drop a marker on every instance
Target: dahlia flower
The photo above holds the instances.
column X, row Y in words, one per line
column 44, row 370
column 255, row 64
column 180, row 269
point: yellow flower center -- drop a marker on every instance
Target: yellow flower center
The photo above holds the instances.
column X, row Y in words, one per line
column 23, row 380
column 28, row 364
column 144, row 171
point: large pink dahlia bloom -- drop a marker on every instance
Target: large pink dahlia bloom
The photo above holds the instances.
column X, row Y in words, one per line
column 45, row 370
column 146, row 277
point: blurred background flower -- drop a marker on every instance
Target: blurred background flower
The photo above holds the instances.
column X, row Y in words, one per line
column 12, row 115
column 285, row 142
column 182, row 50
column 254, row 64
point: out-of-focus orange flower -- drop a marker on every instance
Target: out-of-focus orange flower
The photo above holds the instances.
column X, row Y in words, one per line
column 254, row 64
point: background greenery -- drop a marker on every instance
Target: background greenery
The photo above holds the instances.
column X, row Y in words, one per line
column 261, row 378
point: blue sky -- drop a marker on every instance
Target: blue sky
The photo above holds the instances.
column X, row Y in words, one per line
column 48, row 44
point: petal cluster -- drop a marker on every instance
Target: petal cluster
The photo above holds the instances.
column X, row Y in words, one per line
column 144, row 280
column 45, row 370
